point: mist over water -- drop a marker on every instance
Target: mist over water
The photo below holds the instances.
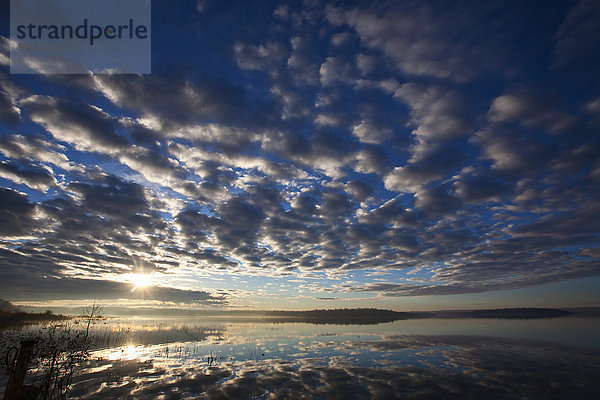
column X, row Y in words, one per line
column 213, row 358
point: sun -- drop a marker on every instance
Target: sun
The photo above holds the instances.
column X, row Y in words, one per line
column 139, row 281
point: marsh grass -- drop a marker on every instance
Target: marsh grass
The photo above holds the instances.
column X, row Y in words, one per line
column 60, row 349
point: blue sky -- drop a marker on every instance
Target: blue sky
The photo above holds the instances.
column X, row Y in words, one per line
column 406, row 155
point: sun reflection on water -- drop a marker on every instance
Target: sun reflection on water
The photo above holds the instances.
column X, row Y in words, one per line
column 150, row 359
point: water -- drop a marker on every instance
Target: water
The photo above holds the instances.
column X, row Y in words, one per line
column 429, row 358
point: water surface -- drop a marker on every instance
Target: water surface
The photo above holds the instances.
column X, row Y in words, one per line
column 180, row 358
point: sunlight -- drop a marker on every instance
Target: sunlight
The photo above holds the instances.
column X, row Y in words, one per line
column 139, row 281
column 128, row 352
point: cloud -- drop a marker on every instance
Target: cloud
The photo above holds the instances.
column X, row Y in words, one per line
column 433, row 143
column 370, row 160
column 370, row 132
column 259, row 57
column 334, row 70
column 531, row 110
column 226, row 137
column 80, row 235
column 419, row 40
column 242, row 223
column 9, row 112
column 35, row 177
column 437, row 201
column 4, row 51
column 392, row 211
column 301, row 64
column 171, row 102
column 578, row 37
column 437, row 115
column 365, row 63
column 593, row 108
column 88, row 289
column 111, row 196
column 29, row 148
column 429, row 162
column 360, row 190
column 17, row 215
column 86, row 127
column 512, row 151
column 477, row 187
column 408, row 179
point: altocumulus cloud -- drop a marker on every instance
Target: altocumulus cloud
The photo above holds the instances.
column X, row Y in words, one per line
column 397, row 138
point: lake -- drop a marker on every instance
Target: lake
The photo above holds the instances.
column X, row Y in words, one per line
column 212, row 358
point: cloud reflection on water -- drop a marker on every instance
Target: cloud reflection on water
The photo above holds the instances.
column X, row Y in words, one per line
column 343, row 364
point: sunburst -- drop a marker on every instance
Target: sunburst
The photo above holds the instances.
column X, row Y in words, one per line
column 139, row 281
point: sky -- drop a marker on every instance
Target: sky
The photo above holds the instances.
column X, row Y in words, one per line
column 407, row 155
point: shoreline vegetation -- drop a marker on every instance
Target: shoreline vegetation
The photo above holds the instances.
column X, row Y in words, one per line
column 13, row 317
column 22, row 318
column 40, row 363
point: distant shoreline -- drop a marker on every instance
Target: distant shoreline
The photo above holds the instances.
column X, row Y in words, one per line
column 352, row 316
column 377, row 315
column 324, row 316
column 21, row 318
